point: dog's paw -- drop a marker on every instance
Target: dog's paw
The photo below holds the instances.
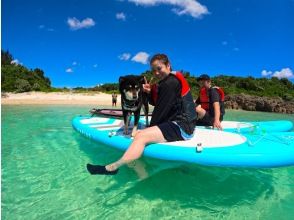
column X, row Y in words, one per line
column 135, row 132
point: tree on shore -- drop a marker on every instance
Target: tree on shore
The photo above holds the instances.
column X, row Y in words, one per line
column 18, row 78
column 6, row 57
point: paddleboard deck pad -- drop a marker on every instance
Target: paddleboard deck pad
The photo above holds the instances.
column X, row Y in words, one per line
column 257, row 148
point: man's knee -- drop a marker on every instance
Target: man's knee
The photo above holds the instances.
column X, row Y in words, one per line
column 198, row 108
column 200, row 111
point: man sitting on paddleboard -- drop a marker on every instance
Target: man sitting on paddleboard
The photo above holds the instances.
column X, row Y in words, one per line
column 173, row 118
column 210, row 104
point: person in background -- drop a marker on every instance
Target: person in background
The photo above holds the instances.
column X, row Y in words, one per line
column 114, row 99
column 210, row 104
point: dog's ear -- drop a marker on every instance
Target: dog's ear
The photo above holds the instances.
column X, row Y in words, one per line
column 142, row 79
column 121, row 79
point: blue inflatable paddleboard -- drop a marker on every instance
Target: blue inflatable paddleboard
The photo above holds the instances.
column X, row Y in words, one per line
column 257, row 148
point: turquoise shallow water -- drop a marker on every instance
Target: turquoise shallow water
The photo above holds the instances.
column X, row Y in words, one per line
column 44, row 177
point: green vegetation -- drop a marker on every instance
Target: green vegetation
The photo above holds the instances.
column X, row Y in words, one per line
column 269, row 87
column 108, row 88
column 17, row 78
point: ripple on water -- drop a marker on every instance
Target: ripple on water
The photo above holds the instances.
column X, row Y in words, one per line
column 44, row 177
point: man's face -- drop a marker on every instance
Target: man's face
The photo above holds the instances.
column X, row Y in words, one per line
column 204, row 83
column 159, row 69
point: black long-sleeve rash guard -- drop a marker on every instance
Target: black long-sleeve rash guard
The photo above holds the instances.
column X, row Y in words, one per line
column 168, row 105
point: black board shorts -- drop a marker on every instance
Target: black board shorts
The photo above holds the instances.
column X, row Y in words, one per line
column 207, row 120
column 170, row 131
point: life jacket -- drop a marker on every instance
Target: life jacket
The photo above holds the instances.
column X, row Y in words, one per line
column 184, row 83
column 188, row 105
column 181, row 78
column 204, row 97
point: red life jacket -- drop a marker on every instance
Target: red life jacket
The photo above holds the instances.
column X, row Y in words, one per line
column 204, row 97
column 183, row 81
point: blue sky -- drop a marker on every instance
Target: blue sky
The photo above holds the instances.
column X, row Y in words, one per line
column 87, row 42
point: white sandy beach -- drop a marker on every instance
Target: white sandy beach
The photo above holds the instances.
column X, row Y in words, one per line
column 63, row 98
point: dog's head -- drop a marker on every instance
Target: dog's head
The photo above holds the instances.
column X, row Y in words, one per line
column 131, row 86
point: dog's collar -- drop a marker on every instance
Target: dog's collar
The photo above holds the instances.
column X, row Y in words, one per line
column 130, row 105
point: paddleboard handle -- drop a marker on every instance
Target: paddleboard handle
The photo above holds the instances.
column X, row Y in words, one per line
column 199, row 148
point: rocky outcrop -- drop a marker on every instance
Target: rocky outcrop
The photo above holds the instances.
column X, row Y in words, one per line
column 256, row 103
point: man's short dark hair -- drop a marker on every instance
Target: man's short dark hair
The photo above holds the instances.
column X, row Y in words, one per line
column 203, row 77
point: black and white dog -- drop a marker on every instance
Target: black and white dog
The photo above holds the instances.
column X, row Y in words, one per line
column 132, row 99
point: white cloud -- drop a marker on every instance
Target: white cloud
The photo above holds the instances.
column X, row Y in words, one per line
column 141, row 57
column 124, row 56
column 182, row 7
column 16, row 62
column 284, row 73
column 75, row 24
column 69, row 70
column 74, row 63
column 266, row 73
column 121, row 16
